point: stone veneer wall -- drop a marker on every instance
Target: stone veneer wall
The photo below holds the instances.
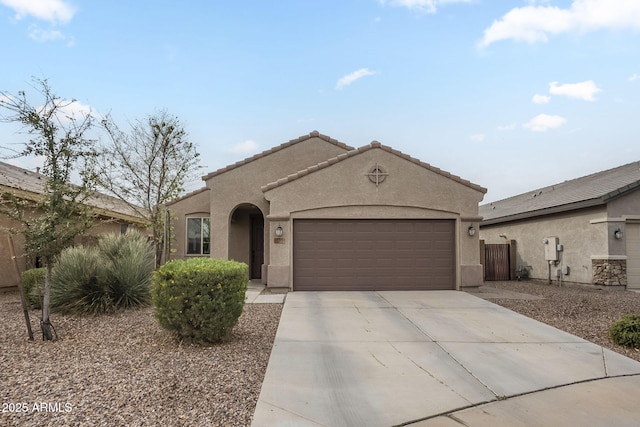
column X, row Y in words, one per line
column 609, row 272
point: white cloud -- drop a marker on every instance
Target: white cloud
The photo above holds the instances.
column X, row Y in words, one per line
column 510, row 126
column 356, row 75
column 634, row 77
column 478, row 137
column 429, row 6
column 42, row 36
column 53, row 11
column 544, row 122
column 244, row 148
column 68, row 110
column 540, row 99
column 535, row 23
column 583, row 90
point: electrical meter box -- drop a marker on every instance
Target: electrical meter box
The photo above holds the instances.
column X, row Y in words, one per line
column 551, row 249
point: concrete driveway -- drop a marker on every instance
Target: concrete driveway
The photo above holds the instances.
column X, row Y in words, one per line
column 436, row 358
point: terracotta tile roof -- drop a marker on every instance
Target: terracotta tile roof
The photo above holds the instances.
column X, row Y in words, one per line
column 190, row 194
column 355, row 152
column 14, row 177
column 314, row 134
column 591, row 190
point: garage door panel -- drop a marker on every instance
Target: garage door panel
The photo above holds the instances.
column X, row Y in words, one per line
column 374, row 254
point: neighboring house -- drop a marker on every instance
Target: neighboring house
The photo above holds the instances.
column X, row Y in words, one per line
column 595, row 220
column 316, row 214
column 112, row 215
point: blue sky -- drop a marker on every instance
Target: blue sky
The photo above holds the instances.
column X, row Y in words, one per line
column 511, row 95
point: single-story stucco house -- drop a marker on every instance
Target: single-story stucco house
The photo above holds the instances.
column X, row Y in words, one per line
column 586, row 230
column 112, row 215
column 317, row 214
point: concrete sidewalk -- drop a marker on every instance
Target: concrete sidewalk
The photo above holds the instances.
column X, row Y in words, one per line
column 436, row 358
column 257, row 294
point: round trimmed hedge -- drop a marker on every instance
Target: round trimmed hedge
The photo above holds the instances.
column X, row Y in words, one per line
column 200, row 299
column 626, row 331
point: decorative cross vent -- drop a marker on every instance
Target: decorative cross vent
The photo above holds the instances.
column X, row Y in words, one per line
column 377, row 175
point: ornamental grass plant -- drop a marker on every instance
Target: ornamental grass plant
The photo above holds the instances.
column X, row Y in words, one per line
column 114, row 275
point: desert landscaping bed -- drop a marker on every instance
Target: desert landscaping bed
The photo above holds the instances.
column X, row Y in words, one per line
column 581, row 310
column 124, row 369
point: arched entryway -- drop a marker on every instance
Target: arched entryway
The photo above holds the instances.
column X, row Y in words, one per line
column 246, row 238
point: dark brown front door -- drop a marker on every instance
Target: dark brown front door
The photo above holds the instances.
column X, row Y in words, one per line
column 373, row 254
column 257, row 246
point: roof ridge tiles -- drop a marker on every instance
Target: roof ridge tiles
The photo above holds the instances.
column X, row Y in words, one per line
column 362, row 149
column 313, row 134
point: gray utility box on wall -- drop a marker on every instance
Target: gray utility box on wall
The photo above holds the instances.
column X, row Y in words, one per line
column 551, row 249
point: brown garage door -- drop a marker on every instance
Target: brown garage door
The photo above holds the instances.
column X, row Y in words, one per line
column 340, row 254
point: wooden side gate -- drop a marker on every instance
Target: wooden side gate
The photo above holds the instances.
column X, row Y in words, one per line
column 497, row 262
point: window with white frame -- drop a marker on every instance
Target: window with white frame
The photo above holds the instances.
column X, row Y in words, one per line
column 198, row 236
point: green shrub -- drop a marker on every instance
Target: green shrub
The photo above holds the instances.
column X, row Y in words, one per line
column 94, row 280
column 78, row 284
column 200, row 299
column 33, row 286
column 626, row 331
column 129, row 262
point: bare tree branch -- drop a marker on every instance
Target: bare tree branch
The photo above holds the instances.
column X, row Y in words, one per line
column 148, row 167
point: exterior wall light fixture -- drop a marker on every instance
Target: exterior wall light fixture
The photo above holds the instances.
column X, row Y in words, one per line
column 618, row 233
column 279, row 231
column 471, row 230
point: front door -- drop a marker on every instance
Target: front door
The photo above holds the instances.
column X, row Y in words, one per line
column 257, row 247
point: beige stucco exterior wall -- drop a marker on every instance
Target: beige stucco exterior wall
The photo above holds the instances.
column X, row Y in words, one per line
column 344, row 190
column 195, row 205
column 621, row 211
column 238, row 186
column 583, row 235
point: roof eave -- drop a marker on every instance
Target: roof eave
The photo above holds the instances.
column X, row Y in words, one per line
column 543, row 212
column 314, row 134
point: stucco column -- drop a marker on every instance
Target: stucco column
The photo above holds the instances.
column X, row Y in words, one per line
column 280, row 244
column 471, row 271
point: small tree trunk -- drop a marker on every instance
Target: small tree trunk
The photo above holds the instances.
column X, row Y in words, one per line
column 45, row 323
column 21, row 290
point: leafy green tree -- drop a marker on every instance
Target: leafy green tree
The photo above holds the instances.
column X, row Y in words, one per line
column 147, row 168
column 58, row 136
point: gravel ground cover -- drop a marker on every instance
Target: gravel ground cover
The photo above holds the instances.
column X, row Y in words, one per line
column 124, row 369
column 581, row 310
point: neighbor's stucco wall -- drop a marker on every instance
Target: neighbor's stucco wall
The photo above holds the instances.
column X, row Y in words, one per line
column 581, row 233
column 345, row 191
column 9, row 276
column 619, row 212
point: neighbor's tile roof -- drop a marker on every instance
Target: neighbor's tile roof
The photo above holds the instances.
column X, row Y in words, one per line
column 355, row 152
column 14, row 177
column 314, row 134
column 591, row 190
